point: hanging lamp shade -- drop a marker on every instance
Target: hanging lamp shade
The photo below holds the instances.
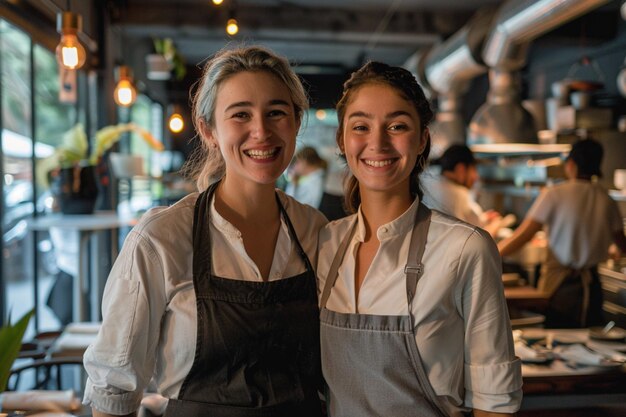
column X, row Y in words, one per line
column 70, row 53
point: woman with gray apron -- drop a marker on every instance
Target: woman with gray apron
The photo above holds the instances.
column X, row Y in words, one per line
column 413, row 316
column 214, row 299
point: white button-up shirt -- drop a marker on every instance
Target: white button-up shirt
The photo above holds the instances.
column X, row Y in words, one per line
column 149, row 306
column 462, row 324
column 443, row 194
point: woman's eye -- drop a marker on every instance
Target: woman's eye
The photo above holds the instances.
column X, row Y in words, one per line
column 360, row 128
column 398, row 126
column 240, row 115
column 276, row 113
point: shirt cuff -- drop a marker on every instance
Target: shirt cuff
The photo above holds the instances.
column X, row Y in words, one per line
column 111, row 401
column 494, row 387
column 503, row 403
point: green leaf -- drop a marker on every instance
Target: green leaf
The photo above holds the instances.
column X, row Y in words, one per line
column 10, row 344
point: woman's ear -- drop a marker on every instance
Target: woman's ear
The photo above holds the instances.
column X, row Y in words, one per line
column 207, row 133
column 424, row 140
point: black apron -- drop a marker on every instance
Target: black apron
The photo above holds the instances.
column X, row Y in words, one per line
column 257, row 348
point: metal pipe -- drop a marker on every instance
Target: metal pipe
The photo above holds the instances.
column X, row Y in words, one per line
column 520, row 22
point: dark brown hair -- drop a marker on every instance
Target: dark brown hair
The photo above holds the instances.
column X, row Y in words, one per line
column 309, row 155
column 404, row 82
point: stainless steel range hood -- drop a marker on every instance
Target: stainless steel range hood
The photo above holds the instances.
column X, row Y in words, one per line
column 502, row 119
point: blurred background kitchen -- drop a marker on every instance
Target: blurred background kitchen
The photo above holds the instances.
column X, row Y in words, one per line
column 516, row 81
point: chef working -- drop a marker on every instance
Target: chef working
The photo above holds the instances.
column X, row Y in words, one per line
column 581, row 221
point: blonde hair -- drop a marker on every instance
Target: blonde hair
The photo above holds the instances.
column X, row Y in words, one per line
column 207, row 165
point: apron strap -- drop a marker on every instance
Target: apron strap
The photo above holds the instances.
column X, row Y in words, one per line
column 294, row 236
column 202, row 260
column 414, row 267
column 201, row 241
column 333, row 272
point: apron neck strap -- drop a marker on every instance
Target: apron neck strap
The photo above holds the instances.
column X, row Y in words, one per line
column 294, row 236
column 413, row 269
column 202, row 242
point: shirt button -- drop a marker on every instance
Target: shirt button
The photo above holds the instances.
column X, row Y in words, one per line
column 383, row 229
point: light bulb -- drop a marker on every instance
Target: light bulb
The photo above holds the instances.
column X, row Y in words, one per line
column 70, row 53
column 231, row 27
column 217, row 2
column 176, row 123
column 124, row 94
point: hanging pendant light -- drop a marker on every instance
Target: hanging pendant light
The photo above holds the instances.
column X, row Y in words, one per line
column 232, row 27
column 176, row 123
column 125, row 93
column 70, row 53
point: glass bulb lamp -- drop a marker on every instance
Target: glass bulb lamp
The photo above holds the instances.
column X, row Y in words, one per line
column 125, row 93
column 70, row 53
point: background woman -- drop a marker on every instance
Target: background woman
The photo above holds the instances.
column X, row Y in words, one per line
column 307, row 176
column 414, row 320
column 214, row 297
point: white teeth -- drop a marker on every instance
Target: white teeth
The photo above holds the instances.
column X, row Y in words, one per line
column 258, row 154
column 378, row 164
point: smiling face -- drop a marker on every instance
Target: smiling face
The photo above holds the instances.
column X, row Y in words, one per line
column 255, row 127
column 382, row 138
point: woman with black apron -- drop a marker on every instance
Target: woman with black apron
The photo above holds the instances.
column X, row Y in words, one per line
column 214, row 299
column 413, row 316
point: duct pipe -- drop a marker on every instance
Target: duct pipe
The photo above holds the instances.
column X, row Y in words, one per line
column 520, row 22
column 448, row 69
column 452, row 64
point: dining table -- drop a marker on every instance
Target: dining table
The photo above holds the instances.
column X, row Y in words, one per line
column 558, row 380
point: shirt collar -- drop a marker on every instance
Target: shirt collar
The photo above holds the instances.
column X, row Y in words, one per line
column 221, row 223
column 396, row 227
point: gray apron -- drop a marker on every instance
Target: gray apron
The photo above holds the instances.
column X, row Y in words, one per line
column 371, row 363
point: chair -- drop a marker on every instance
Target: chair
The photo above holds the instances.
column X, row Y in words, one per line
column 50, row 353
column 46, row 369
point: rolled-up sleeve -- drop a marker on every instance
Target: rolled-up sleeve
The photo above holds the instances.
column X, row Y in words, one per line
column 120, row 362
column 493, row 375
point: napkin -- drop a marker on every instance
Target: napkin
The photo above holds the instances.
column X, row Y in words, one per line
column 577, row 353
column 39, row 400
column 524, row 352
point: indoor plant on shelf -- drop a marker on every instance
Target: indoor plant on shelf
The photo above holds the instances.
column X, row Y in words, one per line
column 72, row 168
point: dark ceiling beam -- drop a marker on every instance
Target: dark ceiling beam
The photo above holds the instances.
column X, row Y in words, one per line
column 142, row 14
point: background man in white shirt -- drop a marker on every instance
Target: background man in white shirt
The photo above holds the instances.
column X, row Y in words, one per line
column 449, row 191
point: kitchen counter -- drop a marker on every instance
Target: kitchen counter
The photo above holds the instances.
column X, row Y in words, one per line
column 614, row 269
column 613, row 280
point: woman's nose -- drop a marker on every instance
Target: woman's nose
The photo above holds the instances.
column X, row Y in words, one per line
column 260, row 129
column 379, row 140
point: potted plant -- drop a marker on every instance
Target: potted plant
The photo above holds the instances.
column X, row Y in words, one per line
column 72, row 168
column 166, row 60
column 10, row 345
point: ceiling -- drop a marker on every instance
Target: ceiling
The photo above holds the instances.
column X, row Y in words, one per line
column 321, row 36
